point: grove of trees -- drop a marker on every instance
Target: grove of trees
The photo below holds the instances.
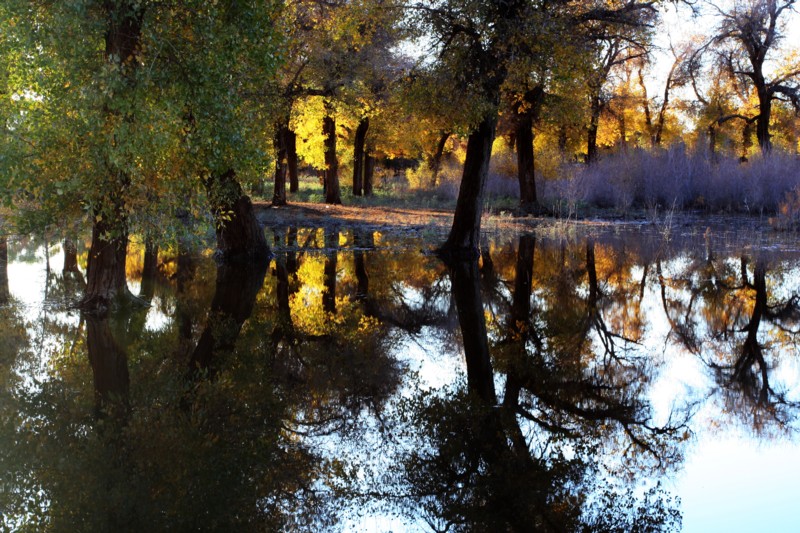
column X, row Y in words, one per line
column 144, row 117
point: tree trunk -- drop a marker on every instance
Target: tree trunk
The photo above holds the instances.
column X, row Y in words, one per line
column 106, row 263
column 369, row 172
column 358, row 157
column 149, row 268
column 70, row 257
column 464, row 238
column 591, row 132
column 5, row 294
column 105, row 272
column 279, row 143
column 764, row 115
column 332, row 194
column 648, row 120
column 435, row 163
column 291, row 159
column 239, row 235
column 525, row 164
column 562, row 139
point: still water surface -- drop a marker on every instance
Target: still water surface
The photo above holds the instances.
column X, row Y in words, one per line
column 601, row 382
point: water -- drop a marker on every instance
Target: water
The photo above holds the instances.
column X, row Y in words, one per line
column 609, row 379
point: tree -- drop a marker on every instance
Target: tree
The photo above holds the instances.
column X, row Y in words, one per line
column 128, row 146
column 746, row 41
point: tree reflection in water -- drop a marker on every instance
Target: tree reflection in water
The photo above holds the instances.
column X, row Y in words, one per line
column 479, row 469
column 301, row 404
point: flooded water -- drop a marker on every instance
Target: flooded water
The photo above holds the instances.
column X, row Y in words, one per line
column 613, row 379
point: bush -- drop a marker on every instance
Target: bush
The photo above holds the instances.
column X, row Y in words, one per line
column 676, row 177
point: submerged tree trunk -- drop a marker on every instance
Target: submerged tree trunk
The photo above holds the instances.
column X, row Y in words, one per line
column 359, row 156
column 291, row 160
column 332, row 193
column 464, row 238
column 279, row 143
column 239, row 235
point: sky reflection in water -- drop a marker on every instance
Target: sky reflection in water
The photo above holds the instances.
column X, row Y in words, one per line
column 334, row 390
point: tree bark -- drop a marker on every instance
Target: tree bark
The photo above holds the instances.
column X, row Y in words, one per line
column 239, row 235
column 105, row 272
column 527, row 114
column 291, row 159
column 591, row 132
column 764, row 115
column 70, row 257
column 435, row 163
column 279, row 142
column 525, row 164
column 369, row 172
column 106, row 263
column 358, row 156
column 149, row 269
column 5, row 294
column 464, row 238
column 332, row 193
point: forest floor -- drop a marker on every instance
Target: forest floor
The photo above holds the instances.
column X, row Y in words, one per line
column 394, row 218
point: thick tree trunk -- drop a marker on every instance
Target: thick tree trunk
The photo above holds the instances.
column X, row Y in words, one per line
column 279, row 143
column 332, row 193
column 106, row 263
column 358, row 157
column 527, row 114
column 464, row 238
column 235, row 294
column 105, row 273
column 291, row 160
column 435, row 163
column 528, row 202
column 239, row 235
column 4, row 290
column 369, row 172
